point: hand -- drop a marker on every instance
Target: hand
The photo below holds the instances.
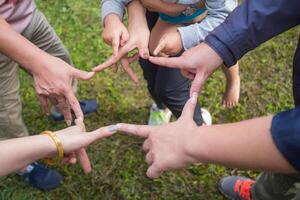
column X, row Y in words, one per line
column 197, row 63
column 167, row 146
column 160, row 6
column 139, row 39
column 75, row 139
column 115, row 33
column 170, row 44
column 53, row 81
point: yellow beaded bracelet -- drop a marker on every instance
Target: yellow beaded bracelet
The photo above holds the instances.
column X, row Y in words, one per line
column 60, row 150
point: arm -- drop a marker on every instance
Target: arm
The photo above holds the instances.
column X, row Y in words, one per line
column 17, row 153
column 116, row 7
column 249, row 144
column 251, row 24
column 52, row 76
column 194, row 34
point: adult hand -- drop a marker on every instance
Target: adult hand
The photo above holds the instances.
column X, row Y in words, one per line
column 53, row 81
column 197, row 63
column 75, row 139
column 170, row 44
column 139, row 39
column 115, row 33
column 167, row 145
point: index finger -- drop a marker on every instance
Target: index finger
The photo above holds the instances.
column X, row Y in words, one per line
column 112, row 60
column 74, row 104
column 138, row 130
column 172, row 62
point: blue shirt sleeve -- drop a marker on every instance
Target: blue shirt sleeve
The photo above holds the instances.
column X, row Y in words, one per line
column 286, row 135
column 250, row 24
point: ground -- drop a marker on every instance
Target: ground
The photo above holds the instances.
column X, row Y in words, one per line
column 118, row 163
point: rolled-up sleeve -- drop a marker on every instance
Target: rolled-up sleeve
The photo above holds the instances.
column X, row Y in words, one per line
column 286, row 135
column 250, row 24
column 113, row 6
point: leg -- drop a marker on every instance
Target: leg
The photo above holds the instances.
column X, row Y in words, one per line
column 174, row 89
column 11, row 122
column 271, row 186
column 232, row 93
column 41, row 33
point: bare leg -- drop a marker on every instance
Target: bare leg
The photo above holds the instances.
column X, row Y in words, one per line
column 232, row 93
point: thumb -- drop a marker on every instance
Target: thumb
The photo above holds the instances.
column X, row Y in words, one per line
column 124, row 37
column 144, row 52
column 197, row 84
column 160, row 47
column 189, row 108
column 115, row 46
column 83, row 75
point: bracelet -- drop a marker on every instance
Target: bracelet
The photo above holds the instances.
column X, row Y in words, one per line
column 60, row 150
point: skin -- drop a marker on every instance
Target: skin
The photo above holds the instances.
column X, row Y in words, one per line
column 138, row 39
column 52, row 76
column 182, row 143
column 18, row 152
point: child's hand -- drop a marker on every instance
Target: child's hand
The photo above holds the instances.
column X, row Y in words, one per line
column 115, row 33
column 170, row 44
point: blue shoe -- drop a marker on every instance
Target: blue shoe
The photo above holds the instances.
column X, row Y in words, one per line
column 41, row 177
column 236, row 187
column 87, row 107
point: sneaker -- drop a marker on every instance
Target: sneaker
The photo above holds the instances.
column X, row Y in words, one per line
column 159, row 116
column 41, row 177
column 236, row 187
column 87, row 107
column 206, row 116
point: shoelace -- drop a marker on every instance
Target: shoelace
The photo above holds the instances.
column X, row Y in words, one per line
column 243, row 188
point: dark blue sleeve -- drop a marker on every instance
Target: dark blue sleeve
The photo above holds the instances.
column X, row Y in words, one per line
column 286, row 135
column 250, row 24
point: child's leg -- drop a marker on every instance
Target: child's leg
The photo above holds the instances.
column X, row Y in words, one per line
column 232, row 93
column 158, row 31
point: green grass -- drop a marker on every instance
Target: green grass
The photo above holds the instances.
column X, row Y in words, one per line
column 119, row 168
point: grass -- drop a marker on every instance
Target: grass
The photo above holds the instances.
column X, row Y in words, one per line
column 119, row 168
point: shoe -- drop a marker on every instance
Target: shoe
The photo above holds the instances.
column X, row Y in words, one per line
column 236, row 187
column 206, row 116
column 41, row 177
column 87, row 107
column 159, row 116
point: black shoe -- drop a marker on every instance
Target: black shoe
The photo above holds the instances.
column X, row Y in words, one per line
column 41, row 177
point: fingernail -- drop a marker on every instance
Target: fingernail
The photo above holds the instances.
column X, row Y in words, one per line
column 194, row 97
column 113, row 128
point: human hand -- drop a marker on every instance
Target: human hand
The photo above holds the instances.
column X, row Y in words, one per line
column 75, row 139
column 197, row 64
column 115, row 33
column 170, row 44
column 171, row 9
column 139, row 39
column 167, row 146
column 53, row 81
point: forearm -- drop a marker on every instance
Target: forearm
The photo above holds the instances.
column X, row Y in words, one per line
column 251, row 24
column 19, row 49
column 136, row 15
column 247, row 145
column 17, row 153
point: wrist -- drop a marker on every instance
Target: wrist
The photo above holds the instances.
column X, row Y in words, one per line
column 112, row 19
column 196, row 147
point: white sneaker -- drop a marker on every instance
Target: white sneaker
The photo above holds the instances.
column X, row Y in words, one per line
column 206, row 116
column 159, row 116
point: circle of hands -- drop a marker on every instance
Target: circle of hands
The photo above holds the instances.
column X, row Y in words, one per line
column 164, row 144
